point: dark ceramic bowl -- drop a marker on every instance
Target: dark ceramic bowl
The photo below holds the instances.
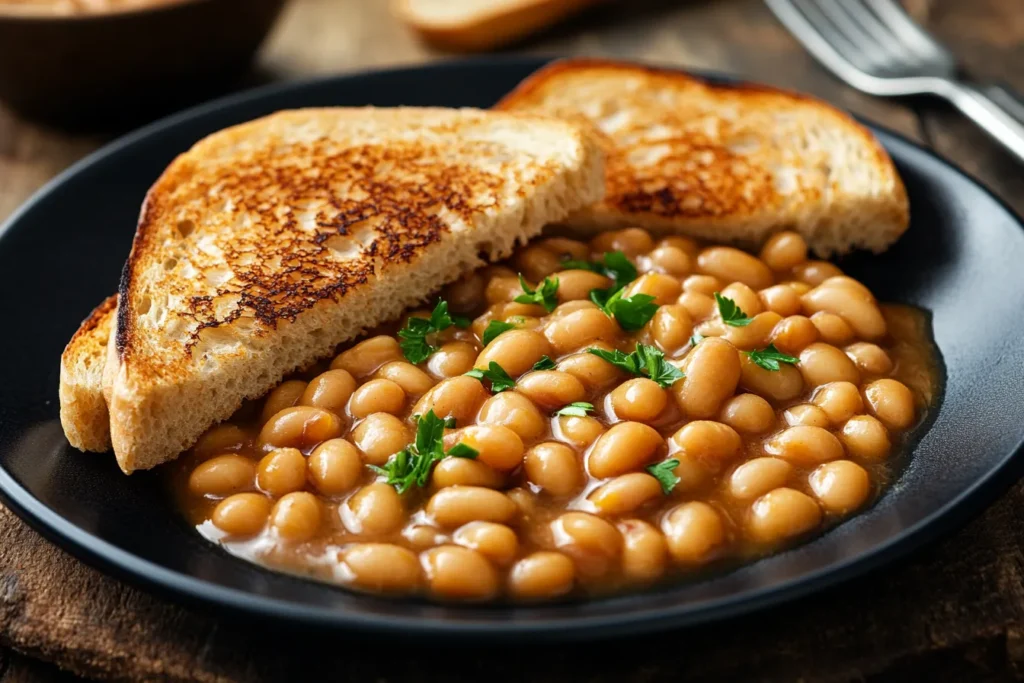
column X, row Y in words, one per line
column 110, row 69
column 961, row 260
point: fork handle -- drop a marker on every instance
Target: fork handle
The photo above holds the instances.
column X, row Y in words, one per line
column 996, row 111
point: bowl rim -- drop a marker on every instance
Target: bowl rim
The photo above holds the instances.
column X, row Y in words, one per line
column 43, row 17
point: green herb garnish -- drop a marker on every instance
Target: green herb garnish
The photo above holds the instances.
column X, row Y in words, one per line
column 665, row 473
column 414, row 342
column 546, row 293
column 645, row 361
column 730, row 312
column 697, row 338
column 577, row 409
column 545, row 363
column 412, row 465
column 631, row 313
column 770, row 357
column 494, row 328
column 499, row 379
column 613, row 264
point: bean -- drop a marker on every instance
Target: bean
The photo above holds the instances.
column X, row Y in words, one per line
column 296, row 516
column 465, row 472
column 732, row 265
column 458, row 397
column 578, row 330
column 542, row 575
column 869, row 358
column 377, row 396
column 782, row 514
column 300, row 427
column 281, row 471
column 459, row 573
column 380, row 436
column 823, row 363
column 664, row 288
column 454, row 506
column 381, row 567
column 839, row 400
column 784, row 251
column 496, row 446
column 284, row 395
column 410, row 378
column 748, row 413
column 865, row 437
column 591, row 541
column 671, row 327
column 841, row 486
column 694, row 532
column 375, row 509
column 329, row 390
column 334, row 467
column 515, row 351
column 550, row 389
column 644, row 550
column 365, row 357
column 712, row 373
column 757, row 477
column 638, row 400
column 804, row 446
column 855, row 306
column 891, row 402
column 576, row 285
column 242, row 514
column 222, row 476
column 515, row 411
column 625, row 494
column 627, row 446
column 554, row 468
column 783, row 384
column 496, row 542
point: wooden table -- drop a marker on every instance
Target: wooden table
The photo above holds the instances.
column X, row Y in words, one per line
column 952, row 612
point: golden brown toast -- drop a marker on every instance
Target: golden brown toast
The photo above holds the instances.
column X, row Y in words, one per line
column 83, row 411
column 267, row 244
column 729, row 163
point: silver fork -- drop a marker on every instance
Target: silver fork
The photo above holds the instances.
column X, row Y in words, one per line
column 875, row 47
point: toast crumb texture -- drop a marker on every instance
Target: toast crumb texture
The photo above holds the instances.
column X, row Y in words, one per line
column 268, row 244
column 725, row 162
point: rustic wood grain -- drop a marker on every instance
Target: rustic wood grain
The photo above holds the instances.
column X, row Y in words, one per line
column 954, row 612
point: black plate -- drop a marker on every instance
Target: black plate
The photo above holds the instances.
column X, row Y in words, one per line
column 963, row 260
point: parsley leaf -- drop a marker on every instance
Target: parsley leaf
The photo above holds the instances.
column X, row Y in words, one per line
column 461, row 322
column 613, row 264
column 412, row 465
column 545, row 363
column 664, row 472
column 730, row 312
column 546, row 293
column 645, row 361
column 500, row 381
column 631, row 313
column 770, row 357
column 414, row 342
column 494, row 328
column 577, row 409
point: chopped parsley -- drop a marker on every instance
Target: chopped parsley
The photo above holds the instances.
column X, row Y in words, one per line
column 665, row 473
column 631, row 313
column 730, row 312
column 577, row 409
column 494, row 328
column 546, row 293
column 645, row 361
column 414, row 342
column 770, row 357
column 496, row 375
column 613, row 264
column 412, row 465
column 545, row 363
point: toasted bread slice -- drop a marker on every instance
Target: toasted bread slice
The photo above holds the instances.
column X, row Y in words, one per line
column 475, row 25
column 268, row 244
column 729, row 163
column 83, row 410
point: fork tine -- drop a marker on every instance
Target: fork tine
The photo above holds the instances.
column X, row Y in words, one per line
column 909, row 33
column 835, row 34
column 887, row 41
column 875, row 51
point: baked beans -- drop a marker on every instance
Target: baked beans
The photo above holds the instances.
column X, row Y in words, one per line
column 758, row 400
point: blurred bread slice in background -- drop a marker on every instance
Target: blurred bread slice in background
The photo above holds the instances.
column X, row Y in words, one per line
column 727, row 162
column 477, row 25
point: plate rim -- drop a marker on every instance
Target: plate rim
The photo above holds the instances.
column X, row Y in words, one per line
column 167, row 583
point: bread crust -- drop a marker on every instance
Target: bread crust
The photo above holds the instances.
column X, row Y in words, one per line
column 83, row 410
column 728, row 162
column 270, row 243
